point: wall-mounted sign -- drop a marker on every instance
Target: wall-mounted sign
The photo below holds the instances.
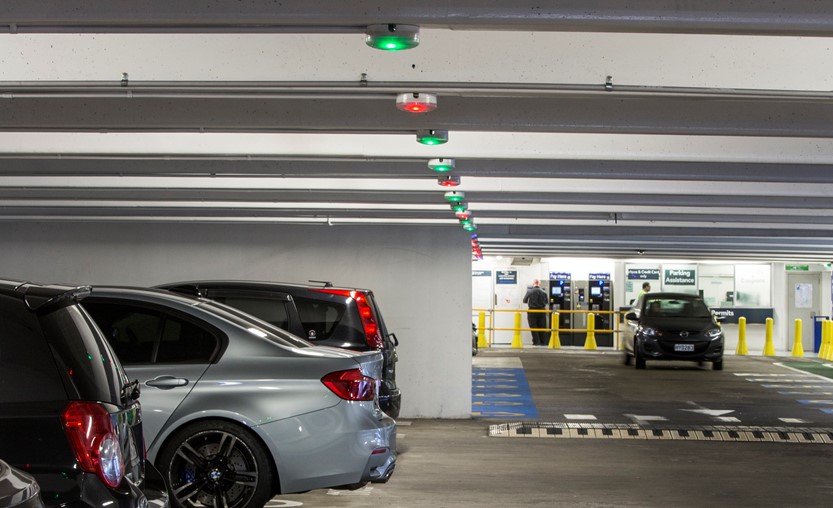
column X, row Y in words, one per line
column 561, row 275
column 679, row 277
column 798, row 268
column 506, row 276
column 643, row 273
column 731, row 314
column 481, row 273
column 598, row 276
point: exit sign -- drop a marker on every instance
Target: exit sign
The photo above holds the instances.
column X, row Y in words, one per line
column 798, row 268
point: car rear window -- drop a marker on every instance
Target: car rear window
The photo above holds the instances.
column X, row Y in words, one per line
column 88, row 365
column 319, row 317
column 270, row 310
column 28, row 370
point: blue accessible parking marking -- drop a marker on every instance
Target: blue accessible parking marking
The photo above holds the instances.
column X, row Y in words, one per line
column 501, row 393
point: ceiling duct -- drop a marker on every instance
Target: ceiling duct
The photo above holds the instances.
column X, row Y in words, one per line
column 523, row 261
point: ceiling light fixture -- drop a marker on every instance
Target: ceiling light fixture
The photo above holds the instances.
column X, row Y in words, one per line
column 392, row 37
column 455, row 196
column 441, row 165
column 416, row 102
column 432, row 137
column 449, row 180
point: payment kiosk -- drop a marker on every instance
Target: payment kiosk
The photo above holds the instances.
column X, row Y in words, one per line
column 561, row 300
column 600, row 299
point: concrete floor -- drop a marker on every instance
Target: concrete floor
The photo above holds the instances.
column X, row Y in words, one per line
column 454, row 464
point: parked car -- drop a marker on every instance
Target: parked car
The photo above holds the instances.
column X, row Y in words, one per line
column 324, row 315
column 68, row 414
column 672, row 326
column 238, row 410
column 18, row 489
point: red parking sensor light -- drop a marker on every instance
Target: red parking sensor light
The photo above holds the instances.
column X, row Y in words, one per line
column 416, row 102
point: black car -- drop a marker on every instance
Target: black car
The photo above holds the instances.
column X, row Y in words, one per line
column 325, row 315
column 672, row 326
column 68, row 414
column 18, row 489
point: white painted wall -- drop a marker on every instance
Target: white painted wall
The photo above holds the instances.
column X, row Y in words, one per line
column 420, row 275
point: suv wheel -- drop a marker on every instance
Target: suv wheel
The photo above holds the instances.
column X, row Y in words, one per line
column 214, row 463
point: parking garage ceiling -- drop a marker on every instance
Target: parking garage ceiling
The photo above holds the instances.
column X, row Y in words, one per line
column 592, row 128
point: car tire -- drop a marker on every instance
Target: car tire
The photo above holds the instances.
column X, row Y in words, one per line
column 638, row 359
column 201, row 460
column 718, row 365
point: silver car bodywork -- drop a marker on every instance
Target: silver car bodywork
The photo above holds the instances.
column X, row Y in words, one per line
column 270, row 383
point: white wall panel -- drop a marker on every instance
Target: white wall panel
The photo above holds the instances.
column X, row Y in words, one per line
column 420, row 275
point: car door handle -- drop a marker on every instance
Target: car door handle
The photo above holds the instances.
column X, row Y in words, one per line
column 167, row 382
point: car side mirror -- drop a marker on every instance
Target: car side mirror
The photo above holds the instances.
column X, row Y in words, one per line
column 631, row 316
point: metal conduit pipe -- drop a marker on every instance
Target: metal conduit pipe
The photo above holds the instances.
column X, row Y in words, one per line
column 368, row 90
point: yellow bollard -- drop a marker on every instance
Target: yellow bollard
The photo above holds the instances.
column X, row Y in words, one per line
column 590, row 341
column 829, row 354
column 555, row 340
column 798, row 348
column 769, row 347
column 742, row 348
column 824, row 340
column 481, row 330
column 517, row 343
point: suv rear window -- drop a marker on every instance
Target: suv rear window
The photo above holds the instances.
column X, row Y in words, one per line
column 271, row 311
column 29, row 373
column 319, row 318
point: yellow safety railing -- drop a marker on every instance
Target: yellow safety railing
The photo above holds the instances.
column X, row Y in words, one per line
column 485, row 316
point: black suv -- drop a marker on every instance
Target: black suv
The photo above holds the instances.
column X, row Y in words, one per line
column 324, row 315
column 68, row 415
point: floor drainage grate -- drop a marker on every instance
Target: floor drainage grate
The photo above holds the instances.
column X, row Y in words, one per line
column 722, row 433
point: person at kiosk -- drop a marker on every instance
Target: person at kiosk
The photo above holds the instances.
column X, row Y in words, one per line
column 537, row 299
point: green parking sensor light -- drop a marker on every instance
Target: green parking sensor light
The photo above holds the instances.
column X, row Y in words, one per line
column 466, row 222
column 459, row 206
column 441, row 165
column 432, row 137
column 455, row 196
column 392, row 37
column 470, row 227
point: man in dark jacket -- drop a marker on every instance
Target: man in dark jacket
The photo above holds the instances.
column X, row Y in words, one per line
column 537, row 299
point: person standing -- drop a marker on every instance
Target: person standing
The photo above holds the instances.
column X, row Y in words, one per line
column 646, row 288
column 536, row 298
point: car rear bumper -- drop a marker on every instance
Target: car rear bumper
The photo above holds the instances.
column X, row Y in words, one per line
column 346, row 444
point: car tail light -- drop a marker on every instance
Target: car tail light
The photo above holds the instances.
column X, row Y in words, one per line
column 351, row 384
column 371, row 328
column 93, row 438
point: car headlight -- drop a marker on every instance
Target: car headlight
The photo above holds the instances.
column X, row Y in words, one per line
column 650, row 331
column 714, row 333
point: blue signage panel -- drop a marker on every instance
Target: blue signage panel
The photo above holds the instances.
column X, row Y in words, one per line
column 598, row 276
column 731, row 314
column 506, row 276
column 643, row 273
column 561, row 275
